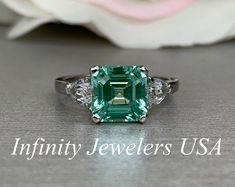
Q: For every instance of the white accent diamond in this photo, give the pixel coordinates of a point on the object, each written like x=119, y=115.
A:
x=80, y=90
x=158, y=90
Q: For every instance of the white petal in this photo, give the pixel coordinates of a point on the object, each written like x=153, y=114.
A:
x=25, y=25
x=68, y=11
x=24, y=7
x=204, y=22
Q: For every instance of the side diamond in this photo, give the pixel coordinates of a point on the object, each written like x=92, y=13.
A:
x=80, y=90
x=158, y=90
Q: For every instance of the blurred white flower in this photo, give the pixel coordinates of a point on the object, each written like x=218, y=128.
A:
x=175, y=23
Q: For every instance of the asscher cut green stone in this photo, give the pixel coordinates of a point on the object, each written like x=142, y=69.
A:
x=119, y=93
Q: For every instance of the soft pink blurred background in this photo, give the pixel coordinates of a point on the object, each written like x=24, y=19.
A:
x=145, y=24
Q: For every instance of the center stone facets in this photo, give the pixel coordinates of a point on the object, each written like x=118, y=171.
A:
x=119, y=93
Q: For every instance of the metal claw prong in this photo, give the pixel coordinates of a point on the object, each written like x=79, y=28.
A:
x=143, y=69
x=68, y=88
x=95, y=119
x=143, y=119
x=94, y=69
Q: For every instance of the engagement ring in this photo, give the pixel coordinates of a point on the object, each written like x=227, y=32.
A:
x=117, y=93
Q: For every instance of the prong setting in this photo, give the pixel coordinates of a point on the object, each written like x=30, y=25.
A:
x=94, y=69
x=68, y=88
x=143, y=119
x=95, y=119
x=143, y=69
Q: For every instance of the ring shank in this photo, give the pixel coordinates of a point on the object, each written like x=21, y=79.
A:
x=62, y=82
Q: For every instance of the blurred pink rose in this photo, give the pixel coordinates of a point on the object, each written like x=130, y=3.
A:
x=146, y=24
x=141, y=10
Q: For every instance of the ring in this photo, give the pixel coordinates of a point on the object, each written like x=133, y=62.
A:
x=117, y=93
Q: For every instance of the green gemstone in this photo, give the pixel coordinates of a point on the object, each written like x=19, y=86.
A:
x=119, y=93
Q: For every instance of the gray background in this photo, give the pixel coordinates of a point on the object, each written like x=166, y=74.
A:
x=29, y=108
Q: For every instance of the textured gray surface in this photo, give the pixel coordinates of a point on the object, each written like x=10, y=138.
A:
x=29, y=108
